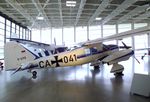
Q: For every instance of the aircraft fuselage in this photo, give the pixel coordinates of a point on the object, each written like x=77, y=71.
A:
x=70, y=58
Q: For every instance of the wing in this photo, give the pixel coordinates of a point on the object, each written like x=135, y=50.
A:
x=91, y=42
x=24, y=41
x=142, y=49
x=118, y=56
x=38, y=45
x=119, y=36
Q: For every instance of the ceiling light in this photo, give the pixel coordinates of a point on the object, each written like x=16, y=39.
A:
x=71, y=3
x=40, y=18
x=98, y=18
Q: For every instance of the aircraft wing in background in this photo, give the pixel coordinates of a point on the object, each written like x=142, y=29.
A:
x=39, y=47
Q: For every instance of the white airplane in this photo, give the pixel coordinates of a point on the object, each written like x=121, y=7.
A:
x=19, y=57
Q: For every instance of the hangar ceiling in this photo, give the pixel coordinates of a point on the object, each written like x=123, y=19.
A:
x=57, y=14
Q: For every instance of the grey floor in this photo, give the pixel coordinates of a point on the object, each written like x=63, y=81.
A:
x=71, y=84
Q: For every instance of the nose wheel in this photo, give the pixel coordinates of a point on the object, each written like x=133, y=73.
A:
x=118, y=74
x=96, y=67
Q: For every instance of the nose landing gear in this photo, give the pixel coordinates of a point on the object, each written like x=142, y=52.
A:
x=117, y=69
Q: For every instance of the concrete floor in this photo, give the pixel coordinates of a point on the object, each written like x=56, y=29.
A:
x=70, y=84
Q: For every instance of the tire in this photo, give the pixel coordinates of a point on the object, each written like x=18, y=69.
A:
x=34, y=73
x=119, y=74
x=96, y=67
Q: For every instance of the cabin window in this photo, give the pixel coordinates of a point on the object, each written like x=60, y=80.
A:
x=93, y=50
x=87, y=51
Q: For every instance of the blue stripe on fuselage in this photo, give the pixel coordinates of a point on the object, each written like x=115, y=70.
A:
x=36, y=57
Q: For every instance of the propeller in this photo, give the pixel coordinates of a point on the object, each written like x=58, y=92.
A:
x=127, y=47
x=136, y=59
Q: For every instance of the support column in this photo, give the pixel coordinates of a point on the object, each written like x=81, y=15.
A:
x=149, y=52
x=25, y=33
x=148, y=49
x=5, y=32
x=15, y=28
x=19, y=32
x=63, y=36
x=117, y=31
x=101, y=30
x=133, y=47
x=30, y=34
x=74, y=34
x=22, y=33
x=10, y=29
x=40, y=34
x=88, y=33
x=149, y=39
x=51, y=36
x=133, y=42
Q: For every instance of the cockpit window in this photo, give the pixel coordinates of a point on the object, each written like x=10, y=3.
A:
x=93, y=50
x=87, y=51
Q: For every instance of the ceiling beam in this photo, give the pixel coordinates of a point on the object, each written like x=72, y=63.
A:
x=8, y=14
x=132, y=13
x=142, y=16
x=21, y=10
x=99, y=10
x=60, y=11
x=41, y=11
x=118, y=10
x=45, y=4
x=82, y=3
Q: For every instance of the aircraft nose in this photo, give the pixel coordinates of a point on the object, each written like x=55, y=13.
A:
x=132, y=52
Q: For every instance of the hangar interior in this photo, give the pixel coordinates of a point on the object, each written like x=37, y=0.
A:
x=67, y=22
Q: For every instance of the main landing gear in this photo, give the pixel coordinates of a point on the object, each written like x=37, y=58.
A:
x=34, y=74
x=96, y=67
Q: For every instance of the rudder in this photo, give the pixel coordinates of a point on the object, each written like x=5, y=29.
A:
x=15, y=54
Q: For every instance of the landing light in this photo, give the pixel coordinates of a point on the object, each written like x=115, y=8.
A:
x=40, y=18
x=98, y=18
x=71, y=3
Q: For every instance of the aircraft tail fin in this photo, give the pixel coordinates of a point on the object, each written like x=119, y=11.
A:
x=15, y=55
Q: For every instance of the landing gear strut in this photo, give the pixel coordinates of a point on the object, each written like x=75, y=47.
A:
x=117, y=69
x=34, y=73
x=96, y=67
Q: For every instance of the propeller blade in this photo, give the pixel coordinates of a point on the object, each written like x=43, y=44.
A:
x=136, y=59
x=124, y=45
x=127, y=47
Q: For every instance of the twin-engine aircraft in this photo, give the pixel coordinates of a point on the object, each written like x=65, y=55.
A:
x=20, y=57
